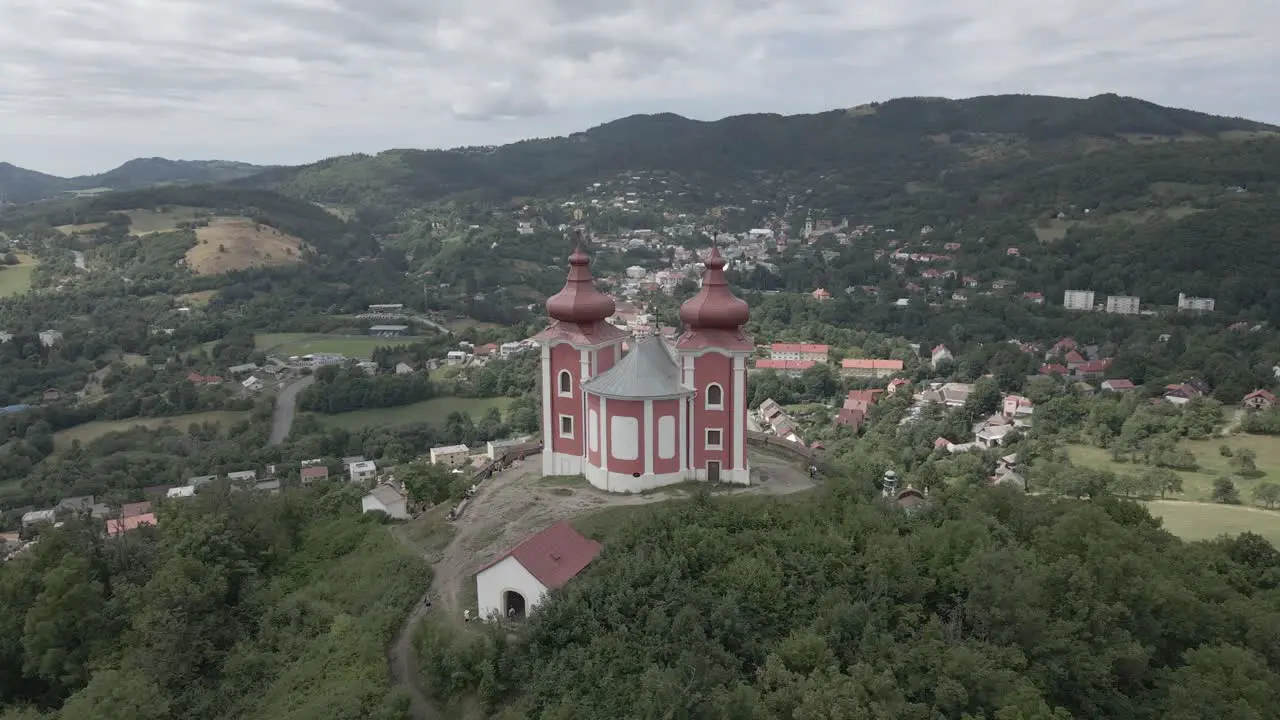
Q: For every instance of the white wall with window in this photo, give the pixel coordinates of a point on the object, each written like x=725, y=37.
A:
x=714, y=397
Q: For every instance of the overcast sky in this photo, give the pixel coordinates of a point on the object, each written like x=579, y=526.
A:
x=88, y=84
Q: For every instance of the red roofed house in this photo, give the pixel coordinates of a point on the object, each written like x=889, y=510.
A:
x=799, y=351
x=312, y=473
x=123, y=525
x=851, y=417
x=1259, y=400
x=1074, y=359
x=196, y=378
x=821, y=295
x=894, y=384
x=939, y=355
x=517, y=582
x=1119, y=385
x=859, y=367
x=1093, y=368
x=129, y=510
x=790, y=367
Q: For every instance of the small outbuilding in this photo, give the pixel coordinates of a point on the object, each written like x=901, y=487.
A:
x=517, y=582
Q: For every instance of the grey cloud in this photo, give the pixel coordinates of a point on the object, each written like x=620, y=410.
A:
x=116, y=78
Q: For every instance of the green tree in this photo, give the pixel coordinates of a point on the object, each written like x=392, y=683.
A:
x=1245, y=461
x=117, y=695
x=1268, y=494
x=1225, y=492
x=64, y=625
x=427, y=482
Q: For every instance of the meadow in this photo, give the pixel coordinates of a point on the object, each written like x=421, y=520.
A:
x=1205, y=521
x=286, y=344
x=16, y=279
x=144, y=222
x=230, y=243
x=91, y=431
x=432, y=412
x=1198, y=484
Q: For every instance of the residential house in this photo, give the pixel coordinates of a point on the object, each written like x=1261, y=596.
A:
x=770, y=409
x=362, y=471
x=39, y=517
x=388, y=499
x=130, y=509
x=1074, y=360
x=455, y=357
x=451, y=455
x=1093, y=368
x=51, y=395
x=49, y=338
x=507, y=349
x=1195, y=304
x=951, y=394
x=179, y=493
x=252, y=383
x=495, y=448
x=1018, y=409
x=196, y=378
x=242, y=369
x=860, y=367
x=75, y=504
x=1035, y=297
x=201, y=480
x=1062, y=347
x=1259, y=400
x=119, y=526
x=1123, y=304
x=896, y=384
x=1078, y=300
x=799, y=351
x=821, y=295
x=404, y=368
x=786, y=367
x=992, y=433
x=271, y=487
x=310, y=474
x=939, y=355
x=1181, y=393
x=516, y=583
x=1118, y=385
x=243, y=476
x=851, y=418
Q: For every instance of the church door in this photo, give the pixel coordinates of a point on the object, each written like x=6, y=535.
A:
x=713, y=471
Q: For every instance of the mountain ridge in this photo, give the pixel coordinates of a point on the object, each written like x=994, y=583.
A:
x=892, y=142
x=20, y=185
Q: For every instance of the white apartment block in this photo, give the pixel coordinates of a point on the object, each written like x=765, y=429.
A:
x=1194, y=303
x=1122, y=304
x=1078, y=300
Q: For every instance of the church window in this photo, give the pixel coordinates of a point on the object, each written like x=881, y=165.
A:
x=715, y=397
x=715, y=441
x=566, y=383
x=566, y=426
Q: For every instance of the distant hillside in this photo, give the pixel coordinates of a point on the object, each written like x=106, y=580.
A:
x=880, y=146
x=19, y=185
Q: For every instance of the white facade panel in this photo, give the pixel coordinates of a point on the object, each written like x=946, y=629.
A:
x=666, y=437
x=624, y=437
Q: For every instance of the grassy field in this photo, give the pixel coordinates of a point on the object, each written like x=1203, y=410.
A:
x=16, y=279
x=197, y=299
x=91, y=431
x=144, y=222
x=236, y=243
x=433, y=411
x=83, y=227
x=1198, y=484
x=286, y=344
x=1205, y=521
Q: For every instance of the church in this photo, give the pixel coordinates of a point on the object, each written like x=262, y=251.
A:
x=658, y=414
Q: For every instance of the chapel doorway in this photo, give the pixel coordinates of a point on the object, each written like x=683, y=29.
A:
x=713, y=471
x=513, y=607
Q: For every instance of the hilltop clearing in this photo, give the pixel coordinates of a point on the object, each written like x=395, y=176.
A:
x=237, y=243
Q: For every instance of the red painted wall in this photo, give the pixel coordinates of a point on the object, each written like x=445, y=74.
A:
x=669, y=408
x=713, y=368
x=566, y=357
x=606, y=358
x=632, y=409
x=593, y=457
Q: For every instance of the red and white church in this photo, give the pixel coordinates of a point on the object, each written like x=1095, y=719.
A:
x=659, y=414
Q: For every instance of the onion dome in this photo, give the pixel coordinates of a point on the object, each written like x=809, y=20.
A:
x=579, y=301
x=714, y=307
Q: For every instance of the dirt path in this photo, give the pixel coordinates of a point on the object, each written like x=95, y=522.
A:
x=515, y=504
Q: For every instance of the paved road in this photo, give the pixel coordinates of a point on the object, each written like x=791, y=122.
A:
x=286, y=404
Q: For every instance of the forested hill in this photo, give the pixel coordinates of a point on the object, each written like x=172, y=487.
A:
x=19, y=185
x=880, y=146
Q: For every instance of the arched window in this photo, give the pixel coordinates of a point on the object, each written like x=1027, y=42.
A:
x=715, y=396
x=566, y=383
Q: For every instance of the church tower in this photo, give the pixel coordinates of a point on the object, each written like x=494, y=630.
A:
x=712, y=355
x=579, y=345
